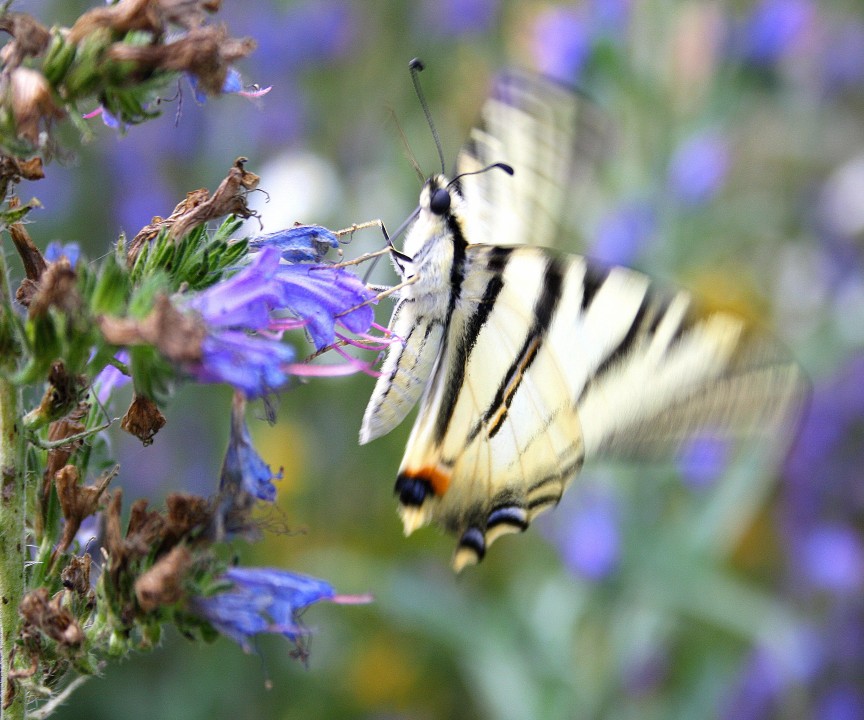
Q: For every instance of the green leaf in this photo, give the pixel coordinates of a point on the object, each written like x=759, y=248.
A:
x=112, y=289
x=13, y=215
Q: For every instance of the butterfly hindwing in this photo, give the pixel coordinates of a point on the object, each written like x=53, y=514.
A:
x=550, y=359
x=491, y=442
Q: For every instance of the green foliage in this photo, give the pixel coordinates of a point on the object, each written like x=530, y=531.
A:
x=195, y=262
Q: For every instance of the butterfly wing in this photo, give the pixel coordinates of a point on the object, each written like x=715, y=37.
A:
x=553, y=137
x=548, y=360
x=409, y=362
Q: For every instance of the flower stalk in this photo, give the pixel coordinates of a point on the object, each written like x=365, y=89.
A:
x=12, y=499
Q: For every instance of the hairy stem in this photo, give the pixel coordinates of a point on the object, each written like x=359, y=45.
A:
x=12, y=488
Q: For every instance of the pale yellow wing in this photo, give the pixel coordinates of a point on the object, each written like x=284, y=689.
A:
x=547, y=360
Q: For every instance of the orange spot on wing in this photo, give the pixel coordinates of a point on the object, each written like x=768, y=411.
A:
x=438, y=479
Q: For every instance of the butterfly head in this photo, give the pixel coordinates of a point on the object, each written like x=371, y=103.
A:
x=440, y=196
x=439, y=200
x=438, y=227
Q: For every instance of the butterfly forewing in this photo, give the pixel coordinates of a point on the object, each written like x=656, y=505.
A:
x=552, y=137
x=415, y=347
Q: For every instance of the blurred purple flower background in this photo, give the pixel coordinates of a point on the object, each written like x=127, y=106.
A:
x=736, y=138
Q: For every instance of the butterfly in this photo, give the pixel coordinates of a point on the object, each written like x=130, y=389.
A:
x=526, y=362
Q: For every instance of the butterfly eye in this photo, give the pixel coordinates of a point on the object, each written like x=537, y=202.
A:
x=439, y=203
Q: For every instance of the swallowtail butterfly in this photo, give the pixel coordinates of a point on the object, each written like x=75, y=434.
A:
x=527, y=362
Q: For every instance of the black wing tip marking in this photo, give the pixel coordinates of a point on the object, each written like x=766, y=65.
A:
x=512, y=515
x=412, y=491
x=474, y=541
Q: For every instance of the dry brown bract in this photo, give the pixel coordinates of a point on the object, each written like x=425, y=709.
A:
x=30, y=38
x=77, y=502
x=143, y=419
x=147, y=15
x=162, y=584
x=200, y=207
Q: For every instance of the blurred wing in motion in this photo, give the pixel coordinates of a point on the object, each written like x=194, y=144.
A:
x=553, y=137
x=570, y=361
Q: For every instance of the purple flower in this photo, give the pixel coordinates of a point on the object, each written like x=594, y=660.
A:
x=457, y=17
x=111, y=378
x=108, y=119
x=562, y=43
x=624, y=233
x=301, y=243
x=698, y=167
x=845, y=702
x=843, y=60
x=244, y=471
x=256, y=299
x=564, y=38
x=702, y=460
x=591, y=540
x=320, y=30
x=774, y=28
x=57, y=250
x=611, y=16
x=833, y=559
x=325, y=296
x=256, y=365
x=233, y=85
x=793, y=659
x=828, y=447
x=244, y=480
x=264, y=600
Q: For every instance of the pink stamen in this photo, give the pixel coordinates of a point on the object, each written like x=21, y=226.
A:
x=388, y=332
x=93, y=113
x=362, y=366
x=353, y=365
x=260, y=92
x=284, y=324
x=352, y=599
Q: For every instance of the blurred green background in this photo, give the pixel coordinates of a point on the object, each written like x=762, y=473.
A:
x=736, y=168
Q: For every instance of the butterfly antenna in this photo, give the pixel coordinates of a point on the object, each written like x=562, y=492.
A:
x=416, y=67
x=407, y=147
x=494, y=166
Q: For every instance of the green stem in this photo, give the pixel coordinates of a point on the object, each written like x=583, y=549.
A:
x=12, y=489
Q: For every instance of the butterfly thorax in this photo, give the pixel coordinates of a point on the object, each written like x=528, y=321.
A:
x=436, y=245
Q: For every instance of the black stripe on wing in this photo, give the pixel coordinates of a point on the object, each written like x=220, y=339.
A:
x=595, y=276
x=650, y=314
x=544, y=310
x=498, y=258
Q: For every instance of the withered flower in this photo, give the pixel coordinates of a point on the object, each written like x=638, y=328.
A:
x=143, y=419
x=199, y=207
x=32, y=103
x=162, y=584
x=42, y=612
x=77, y=501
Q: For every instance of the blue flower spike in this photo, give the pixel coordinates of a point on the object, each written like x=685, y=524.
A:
x=298, y=244
x=266, y=600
